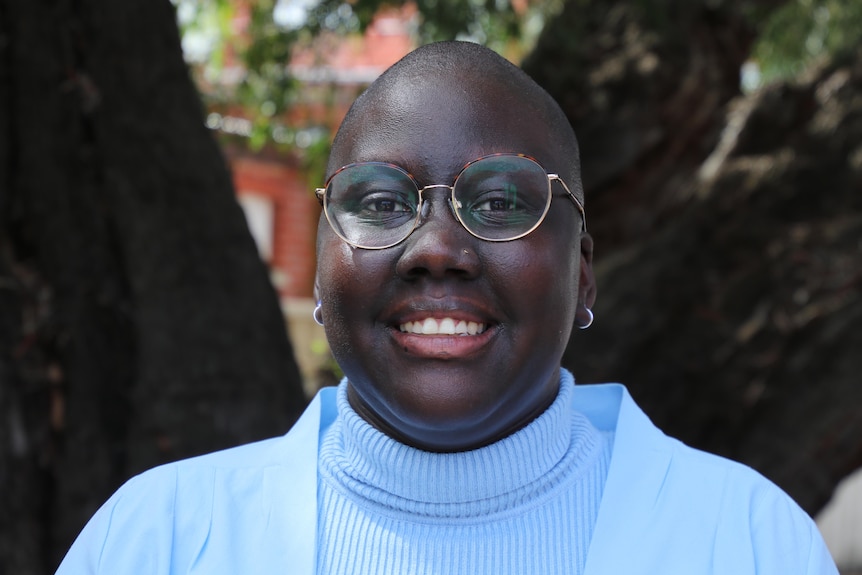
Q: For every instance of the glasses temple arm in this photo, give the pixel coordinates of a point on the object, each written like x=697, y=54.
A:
x=574, y=198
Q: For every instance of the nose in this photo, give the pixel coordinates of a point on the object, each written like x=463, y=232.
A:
x=439, y=247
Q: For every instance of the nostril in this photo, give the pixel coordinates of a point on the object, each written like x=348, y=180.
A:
x=438, y=248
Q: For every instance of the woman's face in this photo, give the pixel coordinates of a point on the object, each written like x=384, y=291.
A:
x=453, y=392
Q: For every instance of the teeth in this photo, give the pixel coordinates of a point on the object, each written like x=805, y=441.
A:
x=445, y=326
x=430, y=327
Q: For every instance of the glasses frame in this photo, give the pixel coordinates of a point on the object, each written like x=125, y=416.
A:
x=320, y=194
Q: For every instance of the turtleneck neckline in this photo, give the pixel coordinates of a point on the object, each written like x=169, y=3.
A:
x=524, y=466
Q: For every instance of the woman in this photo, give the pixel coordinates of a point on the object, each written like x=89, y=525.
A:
x=453, y=261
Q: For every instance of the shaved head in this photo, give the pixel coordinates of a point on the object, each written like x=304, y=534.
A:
x=484, y=78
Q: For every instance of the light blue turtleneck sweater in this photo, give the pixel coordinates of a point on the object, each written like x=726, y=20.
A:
x=526, y=504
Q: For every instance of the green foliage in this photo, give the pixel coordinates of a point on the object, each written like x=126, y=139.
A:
x=490, y=22
x=246, y=73
x=267, y=88
x=805, y=31
x=242, y=74
x=204, y=24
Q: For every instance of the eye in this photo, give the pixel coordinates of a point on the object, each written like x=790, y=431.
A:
x=495, y=198
x=383, y=208
x=500, y=205
x=493, y=202
x=385, y=202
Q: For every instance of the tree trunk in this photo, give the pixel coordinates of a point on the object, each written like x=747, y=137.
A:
x=644, y=84
x=727, y=234
x=138, y=325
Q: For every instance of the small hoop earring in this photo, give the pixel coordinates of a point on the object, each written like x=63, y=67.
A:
x=592, y=317
x=317, y=314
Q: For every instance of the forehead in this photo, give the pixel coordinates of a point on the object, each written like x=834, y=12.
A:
x=432, y=127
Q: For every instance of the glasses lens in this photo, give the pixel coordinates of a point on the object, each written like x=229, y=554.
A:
x=372, y=204
x=501, y=198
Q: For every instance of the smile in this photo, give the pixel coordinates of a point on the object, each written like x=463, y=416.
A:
x=443, y=326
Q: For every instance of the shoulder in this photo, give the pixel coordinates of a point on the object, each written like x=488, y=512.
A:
x=638, y=442
x=203, y=508
x=695, y=506
x=754, y=521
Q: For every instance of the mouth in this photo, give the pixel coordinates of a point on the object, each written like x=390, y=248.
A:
x=443, y=337
x=442, y=326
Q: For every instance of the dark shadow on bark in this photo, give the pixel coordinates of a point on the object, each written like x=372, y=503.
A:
x=139, y=325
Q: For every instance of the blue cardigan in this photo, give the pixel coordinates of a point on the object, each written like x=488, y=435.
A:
x=666, y=509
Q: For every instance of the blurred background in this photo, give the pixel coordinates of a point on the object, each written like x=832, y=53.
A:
x=157, y=225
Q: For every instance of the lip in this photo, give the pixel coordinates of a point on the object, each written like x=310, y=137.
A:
x=441, y=346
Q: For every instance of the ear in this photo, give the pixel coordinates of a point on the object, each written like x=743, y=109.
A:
x=587, y=281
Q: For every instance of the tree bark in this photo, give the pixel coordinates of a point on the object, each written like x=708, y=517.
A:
x=139, y=325
x=644, y=84
x=727, y=234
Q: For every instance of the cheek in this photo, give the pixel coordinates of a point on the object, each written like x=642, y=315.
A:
x=334, y=273
x=349, y=282
x=549, y=266
x=334, y=277
x=543, y=280
x=331, y=266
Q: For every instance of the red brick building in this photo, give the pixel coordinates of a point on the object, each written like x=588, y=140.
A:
x=278, y=200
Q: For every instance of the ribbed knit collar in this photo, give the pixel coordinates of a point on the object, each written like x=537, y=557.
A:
x=521, y=467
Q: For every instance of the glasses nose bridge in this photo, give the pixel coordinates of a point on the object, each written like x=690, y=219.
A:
x=423, y=213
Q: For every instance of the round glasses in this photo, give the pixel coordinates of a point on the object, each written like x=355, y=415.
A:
x=498, y=198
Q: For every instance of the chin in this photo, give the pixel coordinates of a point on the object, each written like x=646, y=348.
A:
x=459, y=425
